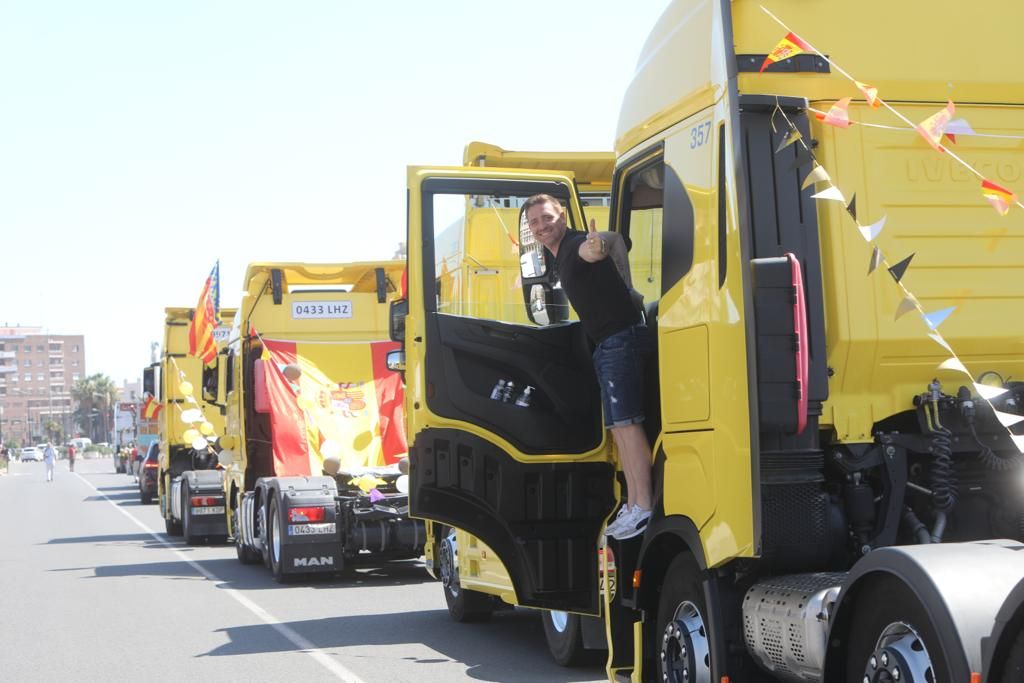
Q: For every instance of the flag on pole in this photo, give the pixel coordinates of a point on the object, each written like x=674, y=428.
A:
x=790, y=46
x=205, y=319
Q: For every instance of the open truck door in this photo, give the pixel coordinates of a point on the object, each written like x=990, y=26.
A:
x=503, y=406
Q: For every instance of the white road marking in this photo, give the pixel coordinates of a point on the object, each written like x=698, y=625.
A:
x=266, y=617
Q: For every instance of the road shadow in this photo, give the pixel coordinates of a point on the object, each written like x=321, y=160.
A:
x=105, y=540
x=231, y=573
x=522, y=656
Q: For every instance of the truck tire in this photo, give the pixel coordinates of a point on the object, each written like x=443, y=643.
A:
x=464, y=606
x=1013, y=667
x=564, y=634
x=145, y=497
x=172, y=526
x=887, y=610
x=186, y=516
x=680, y=637
x=274, y=549
x=246, y=555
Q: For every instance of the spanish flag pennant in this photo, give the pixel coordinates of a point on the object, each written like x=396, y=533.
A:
x=900, y=268
x=934, y=127
x=790, y=46
x=998, y=196
x=838, y=115
x=870, y=94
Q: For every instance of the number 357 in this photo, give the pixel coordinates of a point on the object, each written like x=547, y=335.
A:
x=700, y=134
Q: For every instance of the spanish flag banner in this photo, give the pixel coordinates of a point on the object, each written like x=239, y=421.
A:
x=150, y=409
x=201, y=343
x=333, y=400
x=934, y=127
x=790, y=46
x=998, y=196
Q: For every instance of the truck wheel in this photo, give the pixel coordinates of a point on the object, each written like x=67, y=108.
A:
x=564, y=634
x=246, y=555
x=890, y=630
x=145, y=497
x=463, y=605
x=186, y=517
x=274, y=548
x=1013, y=667
x=681, y=635
x=172, y=526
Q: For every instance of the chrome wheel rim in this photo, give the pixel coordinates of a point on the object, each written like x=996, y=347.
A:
x=275, y=544
x=449, y=569
x=685, y=652
x=900, y=656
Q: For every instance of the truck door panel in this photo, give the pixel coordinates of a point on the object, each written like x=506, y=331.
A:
x=532, y=481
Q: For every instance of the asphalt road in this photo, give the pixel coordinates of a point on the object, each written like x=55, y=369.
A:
x=91, y=589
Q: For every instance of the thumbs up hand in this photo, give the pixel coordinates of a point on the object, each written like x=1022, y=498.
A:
x=594, y=248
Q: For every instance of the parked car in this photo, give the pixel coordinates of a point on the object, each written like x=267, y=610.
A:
x=31, y=453
x=148, y=474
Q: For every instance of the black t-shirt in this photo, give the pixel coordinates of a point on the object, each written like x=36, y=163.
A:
x=595, y=290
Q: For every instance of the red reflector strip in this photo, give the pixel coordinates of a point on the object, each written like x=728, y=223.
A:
x=310, y=514
x=151, y=465
x=205, y=501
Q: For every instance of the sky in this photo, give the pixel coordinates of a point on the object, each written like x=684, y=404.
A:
x=140, y=142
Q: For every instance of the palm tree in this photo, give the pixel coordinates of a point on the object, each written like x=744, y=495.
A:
x=54, y=431
x=95, y=396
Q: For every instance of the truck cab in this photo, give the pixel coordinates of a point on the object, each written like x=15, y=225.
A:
x=829, y=464
x=189, y=479
x=315, y=427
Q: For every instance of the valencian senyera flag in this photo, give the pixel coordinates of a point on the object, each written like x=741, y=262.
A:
x=335, y=400
x=790, y=46
x=205, y=319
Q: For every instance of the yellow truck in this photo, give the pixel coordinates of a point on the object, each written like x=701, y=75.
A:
x=831, y=504
x=315, y=436
x=478, y=260
x=189, y=479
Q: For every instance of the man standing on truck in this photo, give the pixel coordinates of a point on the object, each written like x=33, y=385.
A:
x=611, y=318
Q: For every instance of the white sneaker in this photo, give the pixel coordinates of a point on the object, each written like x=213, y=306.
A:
x=633, y=523
x=617, y=522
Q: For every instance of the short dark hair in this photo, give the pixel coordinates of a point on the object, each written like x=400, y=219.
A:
x=538, y=199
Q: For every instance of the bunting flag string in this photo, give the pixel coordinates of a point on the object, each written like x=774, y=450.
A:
x=933, y=129
x=954, y=127
x=927, y=128
x=200, y=429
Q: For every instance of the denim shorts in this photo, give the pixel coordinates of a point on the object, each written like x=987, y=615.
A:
x=619, y=361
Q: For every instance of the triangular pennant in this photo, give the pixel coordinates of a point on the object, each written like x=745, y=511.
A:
x=1008, y=419
x=817, y=175
x=831, y=192
x=941, y=341
x=988, y=393
x=793, y=136
x=908, y=304
x=933, y=127
x=953, y=364
x=838, y=115
x=803, y=157
x=900, y=268
x=790, y=46
x=1018, y=441
x=851, y=208
x=870, y=94
x=876, y=260
x=870, y=232
x=959, y=127
x=998, y=196
x=938, y=317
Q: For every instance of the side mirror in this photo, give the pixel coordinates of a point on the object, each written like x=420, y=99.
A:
x=545, y=304
x=396, y=360
x=396, y=319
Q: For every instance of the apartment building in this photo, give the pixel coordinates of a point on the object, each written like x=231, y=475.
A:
x=37, y=371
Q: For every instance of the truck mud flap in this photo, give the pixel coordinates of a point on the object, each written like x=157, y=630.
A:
x=207, y=518
x=314, y=545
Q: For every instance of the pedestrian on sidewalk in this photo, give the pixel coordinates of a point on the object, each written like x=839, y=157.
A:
x=71, y=457
x=50, y=458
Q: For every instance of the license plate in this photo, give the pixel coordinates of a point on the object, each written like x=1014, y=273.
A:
x=213, y=510
x=311, y=529
x=321, y=309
